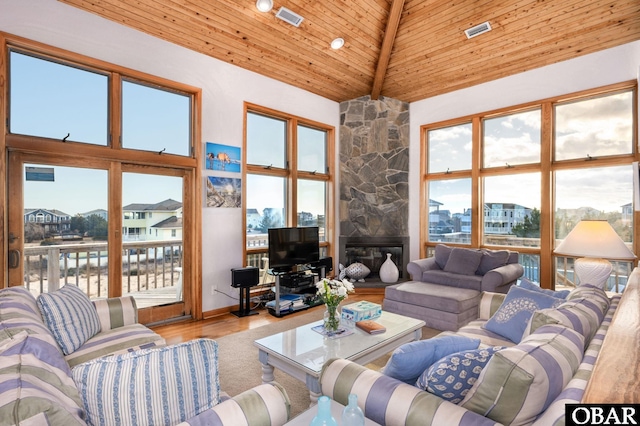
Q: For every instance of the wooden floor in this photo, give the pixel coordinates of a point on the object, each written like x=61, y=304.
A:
x=226, y=324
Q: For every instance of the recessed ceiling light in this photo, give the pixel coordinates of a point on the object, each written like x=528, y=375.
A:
x=264, y=5
x=337, y=43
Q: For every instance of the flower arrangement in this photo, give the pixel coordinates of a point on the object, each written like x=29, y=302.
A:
x=332, y=292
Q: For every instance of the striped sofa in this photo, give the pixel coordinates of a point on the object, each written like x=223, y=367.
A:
x=524, y=384
x=125, y=374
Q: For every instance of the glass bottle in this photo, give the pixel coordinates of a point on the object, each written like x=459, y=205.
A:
x=324, y=417
x=352, y=415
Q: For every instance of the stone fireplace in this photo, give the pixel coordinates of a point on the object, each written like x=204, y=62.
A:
x=374, y=183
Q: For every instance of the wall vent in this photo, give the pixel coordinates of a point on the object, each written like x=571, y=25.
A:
x=288, y=16
x=478, y=29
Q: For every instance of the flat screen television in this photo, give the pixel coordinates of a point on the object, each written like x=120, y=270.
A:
x=289, y=247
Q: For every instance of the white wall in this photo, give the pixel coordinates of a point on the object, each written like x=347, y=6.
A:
x=586, y=72
x=224, y=89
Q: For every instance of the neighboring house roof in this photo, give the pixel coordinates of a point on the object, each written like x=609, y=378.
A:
x=96, y=211
x=50, y=211
x=252, y=211
x=504, y=206
x=166, y=205
x=172, y=222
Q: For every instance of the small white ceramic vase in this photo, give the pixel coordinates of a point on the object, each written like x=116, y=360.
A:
x=389, y=271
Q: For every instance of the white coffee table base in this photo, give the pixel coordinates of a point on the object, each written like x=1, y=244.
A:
x=270, y=363
x=271, y=358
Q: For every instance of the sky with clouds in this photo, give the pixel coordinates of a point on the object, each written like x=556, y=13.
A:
x=594, y=127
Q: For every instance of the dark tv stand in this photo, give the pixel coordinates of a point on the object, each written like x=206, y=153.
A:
x=289, y=275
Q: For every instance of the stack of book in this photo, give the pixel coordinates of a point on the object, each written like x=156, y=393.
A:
x=288, y=302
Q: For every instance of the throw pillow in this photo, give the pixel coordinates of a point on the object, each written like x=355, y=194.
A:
x=442, y=255
x=409, y=360
x=511, y=319
x=158, y=386
x=452, y=377
x=463, y=261
x=581, y=315
x=492, y=259
x=37, y=388
x=520, y=382
x=70, y=316
x=591, y=292
x=560, y=294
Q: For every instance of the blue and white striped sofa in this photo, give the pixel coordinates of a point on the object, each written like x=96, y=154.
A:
x=117, y=371
x=555, y=362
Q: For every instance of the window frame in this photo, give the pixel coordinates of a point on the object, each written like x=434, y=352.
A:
x=119, y=159
x=291, y=174
x=547, y=167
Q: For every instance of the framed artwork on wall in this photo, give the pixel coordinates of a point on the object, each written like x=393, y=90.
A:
x=224, y=192
x=222, y=157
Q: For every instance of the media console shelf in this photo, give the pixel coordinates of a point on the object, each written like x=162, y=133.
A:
x=296, y=282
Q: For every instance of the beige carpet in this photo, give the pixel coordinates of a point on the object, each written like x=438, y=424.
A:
x=240, y=369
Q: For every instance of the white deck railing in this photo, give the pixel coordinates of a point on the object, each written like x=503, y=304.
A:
x=146, y=265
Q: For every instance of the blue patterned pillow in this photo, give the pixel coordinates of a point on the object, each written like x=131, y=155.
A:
x=526, y=284
x=159, y=386
x=409, y=360
x=452, y=376
x=512, y=317
x=70, y=316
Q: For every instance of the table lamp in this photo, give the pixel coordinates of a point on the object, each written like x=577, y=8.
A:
x=592, y=242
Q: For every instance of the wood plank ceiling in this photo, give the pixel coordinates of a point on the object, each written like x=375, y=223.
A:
x=427, y=56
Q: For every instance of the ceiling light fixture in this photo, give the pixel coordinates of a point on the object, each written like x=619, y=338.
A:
x=264, y=5
x=337, y=43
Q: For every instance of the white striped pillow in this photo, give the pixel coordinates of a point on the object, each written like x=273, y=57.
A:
x=520, y=382
x=70, y=316
x=152, y=386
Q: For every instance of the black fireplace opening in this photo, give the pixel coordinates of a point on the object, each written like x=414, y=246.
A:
x=372, y=252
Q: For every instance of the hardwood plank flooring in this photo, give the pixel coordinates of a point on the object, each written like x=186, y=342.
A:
x=225, y=324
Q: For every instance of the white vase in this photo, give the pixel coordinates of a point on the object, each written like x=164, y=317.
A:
x=389, y=271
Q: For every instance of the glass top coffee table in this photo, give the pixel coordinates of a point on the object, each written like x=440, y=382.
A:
x=301, y=352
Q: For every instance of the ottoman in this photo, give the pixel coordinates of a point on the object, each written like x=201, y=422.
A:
x=440, y=306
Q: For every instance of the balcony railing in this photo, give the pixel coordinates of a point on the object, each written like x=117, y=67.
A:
x=146, y=266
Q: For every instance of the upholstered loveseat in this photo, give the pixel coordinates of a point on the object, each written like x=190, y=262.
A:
x=475, y=269
x=445, y=290
x=123, y=374
x=525, y=382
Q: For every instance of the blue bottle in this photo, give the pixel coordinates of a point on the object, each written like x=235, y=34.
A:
x=324, y=417
x=352, y=415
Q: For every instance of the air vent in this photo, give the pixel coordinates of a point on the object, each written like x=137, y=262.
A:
x=478, y=29
x=288, y=16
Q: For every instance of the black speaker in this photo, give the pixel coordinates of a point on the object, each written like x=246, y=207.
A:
x=327, y=262
x=245, y=277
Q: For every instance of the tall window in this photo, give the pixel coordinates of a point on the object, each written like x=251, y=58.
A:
x=104, y=147
x=288, y=178
x=541, y=168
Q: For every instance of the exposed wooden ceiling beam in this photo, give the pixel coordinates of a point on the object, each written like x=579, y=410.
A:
x=387, y=45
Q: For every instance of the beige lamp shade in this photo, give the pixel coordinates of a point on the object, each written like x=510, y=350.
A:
x=592, y=242
x=596, y=239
